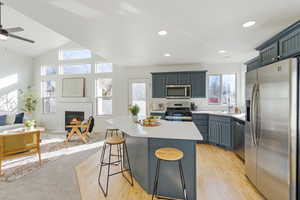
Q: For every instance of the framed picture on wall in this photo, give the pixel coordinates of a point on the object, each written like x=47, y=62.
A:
x=73, y=87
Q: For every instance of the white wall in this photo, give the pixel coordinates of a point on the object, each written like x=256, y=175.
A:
x=121, y=77
x=13, y=63
x=124, y=74
x=55, y=121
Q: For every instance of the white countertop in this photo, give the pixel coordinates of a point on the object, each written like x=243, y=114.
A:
x=167, y=129
x=234, y=115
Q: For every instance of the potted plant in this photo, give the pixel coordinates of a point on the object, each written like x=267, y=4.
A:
x=30, y=124
x=29, y=101
x=134, y=111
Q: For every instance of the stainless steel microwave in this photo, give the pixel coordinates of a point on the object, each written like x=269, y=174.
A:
x=178, y=91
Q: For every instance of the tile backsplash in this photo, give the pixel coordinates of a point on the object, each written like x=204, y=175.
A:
x=201, y=103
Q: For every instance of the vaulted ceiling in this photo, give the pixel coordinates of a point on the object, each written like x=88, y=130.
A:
x=45, y=38
x=125, y=32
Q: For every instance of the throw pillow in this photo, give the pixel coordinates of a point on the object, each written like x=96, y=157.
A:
x=19, y=118
x=3, y=120
x=10, y=119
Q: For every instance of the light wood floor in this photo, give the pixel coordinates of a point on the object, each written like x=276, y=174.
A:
x=220, y=177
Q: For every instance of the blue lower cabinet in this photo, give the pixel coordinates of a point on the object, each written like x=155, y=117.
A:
x=221, y=131
x=201, y=122
x=214, y=132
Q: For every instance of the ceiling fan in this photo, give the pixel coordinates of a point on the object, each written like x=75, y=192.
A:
x=6, y=33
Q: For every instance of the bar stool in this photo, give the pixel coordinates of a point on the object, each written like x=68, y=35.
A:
x=170, y=155
x=111, y=132
x=122, y=148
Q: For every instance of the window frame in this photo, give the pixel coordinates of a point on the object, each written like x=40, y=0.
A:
x=43, y=98
x=60, y=54
x=43, y=70
x=61, y=68
x=103, y=97
x=221, y=87
x=98, y=63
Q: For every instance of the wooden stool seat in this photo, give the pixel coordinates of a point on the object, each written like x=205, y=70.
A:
x=115, y=140
x=169, y=154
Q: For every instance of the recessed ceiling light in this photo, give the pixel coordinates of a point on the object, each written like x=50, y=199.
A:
x=167, y=55
x=222, y=51
x=249, y=24
x=162, y=32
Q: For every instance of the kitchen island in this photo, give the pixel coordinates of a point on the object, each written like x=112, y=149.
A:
x=142, y=143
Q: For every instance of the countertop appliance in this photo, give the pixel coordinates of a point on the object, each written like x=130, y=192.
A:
x=178, y=111
x=272, y=129
x=178, y=91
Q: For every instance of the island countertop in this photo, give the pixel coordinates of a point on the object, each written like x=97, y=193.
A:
x=167, y=129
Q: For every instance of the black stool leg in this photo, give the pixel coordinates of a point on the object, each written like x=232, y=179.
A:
x=182, y=180
x=101, y=164
x=154, y=194
x=108, y=173
x=128, y=162
x=107, y=130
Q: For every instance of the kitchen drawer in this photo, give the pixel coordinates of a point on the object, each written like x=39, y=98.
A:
x=200, y=117
x=220, y=118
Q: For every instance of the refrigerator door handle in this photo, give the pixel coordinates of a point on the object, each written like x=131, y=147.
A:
x=252, y=115
x=257, y=100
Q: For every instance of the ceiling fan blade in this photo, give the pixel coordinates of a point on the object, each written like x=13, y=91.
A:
x=14, y=30
x=20, y=38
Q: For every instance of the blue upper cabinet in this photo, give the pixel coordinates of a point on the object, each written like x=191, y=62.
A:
x=184, y=78
x=269, y=54
x=284, y=45
x=158, y=85
x=172, y=78
x=289, y=45
x=253, y=64
x=198, y=82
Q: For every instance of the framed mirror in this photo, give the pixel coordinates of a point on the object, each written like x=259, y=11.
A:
x=73, y=87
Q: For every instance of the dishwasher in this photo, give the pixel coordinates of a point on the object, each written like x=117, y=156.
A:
x=239, y=138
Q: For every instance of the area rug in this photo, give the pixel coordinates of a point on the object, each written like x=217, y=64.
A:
x=52, y=148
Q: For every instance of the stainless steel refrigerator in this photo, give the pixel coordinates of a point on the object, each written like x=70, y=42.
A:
x=272, y=129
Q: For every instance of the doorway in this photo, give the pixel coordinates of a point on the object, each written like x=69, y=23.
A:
x=139, y=95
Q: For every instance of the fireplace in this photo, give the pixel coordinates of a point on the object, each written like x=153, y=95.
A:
x=70, y=115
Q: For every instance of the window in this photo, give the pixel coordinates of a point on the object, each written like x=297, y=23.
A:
x=74, y=54
x=228, y=89
x=48, y=96
x=76, y=69
x=48, y=70
x=104, y=68
x=222, y=89
x=104, y=96
x=214, y=89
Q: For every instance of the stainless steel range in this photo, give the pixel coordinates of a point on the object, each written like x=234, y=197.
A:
x=178, y=111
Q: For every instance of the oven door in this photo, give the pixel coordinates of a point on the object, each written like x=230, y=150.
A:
x=178, y=91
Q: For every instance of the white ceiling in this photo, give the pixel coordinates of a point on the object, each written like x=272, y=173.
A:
x=125, y=32
x=45, y=39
